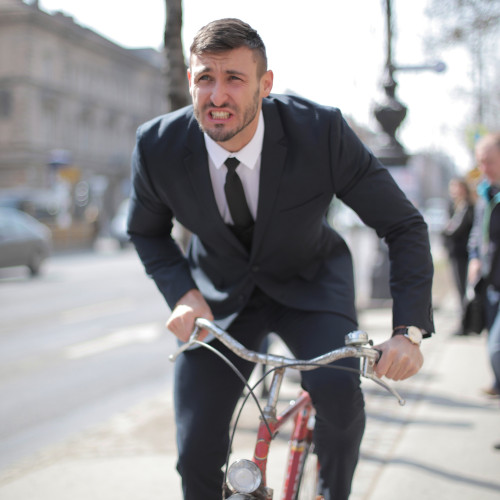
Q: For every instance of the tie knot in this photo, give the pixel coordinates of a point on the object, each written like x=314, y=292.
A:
x=232, y=163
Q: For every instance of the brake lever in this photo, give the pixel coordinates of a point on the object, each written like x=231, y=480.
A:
x=386, y=386
x=193, y=339
x=367, y=371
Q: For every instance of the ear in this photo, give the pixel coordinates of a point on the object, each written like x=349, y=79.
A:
x=266, y=83
x=189, y=77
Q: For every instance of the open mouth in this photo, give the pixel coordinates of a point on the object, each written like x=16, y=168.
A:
x=220, y=115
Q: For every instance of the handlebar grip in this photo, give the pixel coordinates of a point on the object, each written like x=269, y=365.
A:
x=380, y=352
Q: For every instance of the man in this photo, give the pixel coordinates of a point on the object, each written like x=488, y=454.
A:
x=281, y=268
x=484, y=246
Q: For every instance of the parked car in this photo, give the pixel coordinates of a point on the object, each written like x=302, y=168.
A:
x=118, y=227
x=23, y=240
x=43, y=204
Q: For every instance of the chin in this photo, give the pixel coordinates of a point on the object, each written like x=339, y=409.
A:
x=220, y=135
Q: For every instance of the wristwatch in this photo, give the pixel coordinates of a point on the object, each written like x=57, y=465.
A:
x=412, y=333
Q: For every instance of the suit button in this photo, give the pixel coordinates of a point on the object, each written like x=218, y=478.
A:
x=255, y=269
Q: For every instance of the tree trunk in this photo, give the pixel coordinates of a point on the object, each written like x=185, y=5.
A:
x=177, y=88
x=176, y=79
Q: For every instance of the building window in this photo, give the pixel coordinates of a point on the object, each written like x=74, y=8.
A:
x=5, y=103
x=50, y=128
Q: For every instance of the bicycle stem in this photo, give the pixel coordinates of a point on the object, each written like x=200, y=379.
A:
x=269, y=410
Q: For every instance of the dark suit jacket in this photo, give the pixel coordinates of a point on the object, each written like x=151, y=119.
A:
x=309, y=155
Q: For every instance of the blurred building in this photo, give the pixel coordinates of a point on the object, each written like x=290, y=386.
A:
x=70, y=102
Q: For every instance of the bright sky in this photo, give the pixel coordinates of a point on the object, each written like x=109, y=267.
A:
x=330, y=52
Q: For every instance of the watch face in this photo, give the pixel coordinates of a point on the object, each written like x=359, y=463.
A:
x=414, y=334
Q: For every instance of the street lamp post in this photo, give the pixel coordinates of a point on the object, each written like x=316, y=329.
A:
x=390, y=113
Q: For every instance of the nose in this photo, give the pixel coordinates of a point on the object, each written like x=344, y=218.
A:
x=219, y=94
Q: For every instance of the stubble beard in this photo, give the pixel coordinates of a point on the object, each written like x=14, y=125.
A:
x=218, y=132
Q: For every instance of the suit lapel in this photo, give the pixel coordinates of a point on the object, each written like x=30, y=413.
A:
x=196, y=164
x=273, y=158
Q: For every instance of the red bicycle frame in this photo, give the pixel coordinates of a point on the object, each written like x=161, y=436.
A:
x=302, y=410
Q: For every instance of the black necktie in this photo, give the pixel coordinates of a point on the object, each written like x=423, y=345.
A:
x=235, y=196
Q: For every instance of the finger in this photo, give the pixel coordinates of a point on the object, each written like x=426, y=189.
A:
x=403, y=370
x=203, y=335
x=384, y=363
x=180, y=325
x=397, y=366
x=396, y=374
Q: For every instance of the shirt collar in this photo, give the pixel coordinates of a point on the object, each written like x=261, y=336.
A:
x=248, y=155
x=488, y=191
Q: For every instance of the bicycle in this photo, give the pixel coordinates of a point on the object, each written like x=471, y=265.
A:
x=246, y=479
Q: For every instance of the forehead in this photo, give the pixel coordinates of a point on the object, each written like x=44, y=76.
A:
x=488, y=150
x=240, y=60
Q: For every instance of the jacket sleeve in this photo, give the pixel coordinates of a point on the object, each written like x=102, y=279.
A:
x=370, y=190
x=150, y=223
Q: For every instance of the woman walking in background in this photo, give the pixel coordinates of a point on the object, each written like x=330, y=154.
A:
x=456, y=236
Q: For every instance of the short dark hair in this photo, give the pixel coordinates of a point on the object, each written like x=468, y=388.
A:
x=227, y=34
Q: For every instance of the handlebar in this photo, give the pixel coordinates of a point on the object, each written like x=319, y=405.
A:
x=358, y=345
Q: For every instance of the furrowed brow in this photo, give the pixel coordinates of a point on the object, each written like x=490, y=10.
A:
x=235, y=73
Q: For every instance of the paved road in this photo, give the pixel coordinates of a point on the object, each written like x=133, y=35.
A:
x=78, y=344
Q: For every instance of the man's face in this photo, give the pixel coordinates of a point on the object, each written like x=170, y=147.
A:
x=227, y=95
x=488, y=160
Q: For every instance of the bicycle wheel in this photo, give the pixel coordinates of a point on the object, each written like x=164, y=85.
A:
x=308, y=475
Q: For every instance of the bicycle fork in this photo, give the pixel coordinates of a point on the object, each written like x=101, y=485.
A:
x=302, y=410
x=247, y=479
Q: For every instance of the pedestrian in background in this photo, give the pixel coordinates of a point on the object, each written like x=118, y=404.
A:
x=456, y=237
x=484, y=245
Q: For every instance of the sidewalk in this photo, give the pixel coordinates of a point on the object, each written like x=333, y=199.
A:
x=437, y=446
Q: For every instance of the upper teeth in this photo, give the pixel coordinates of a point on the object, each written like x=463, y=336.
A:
x=220, y=114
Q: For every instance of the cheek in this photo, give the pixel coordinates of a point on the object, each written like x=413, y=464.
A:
x=487, y=167
x=197, y=94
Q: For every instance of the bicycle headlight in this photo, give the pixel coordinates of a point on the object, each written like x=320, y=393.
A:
x=244, y=476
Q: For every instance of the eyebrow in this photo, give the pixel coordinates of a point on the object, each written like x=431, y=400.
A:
x=208, y=69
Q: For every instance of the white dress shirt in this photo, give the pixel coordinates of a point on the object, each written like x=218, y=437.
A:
x=248, y=170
